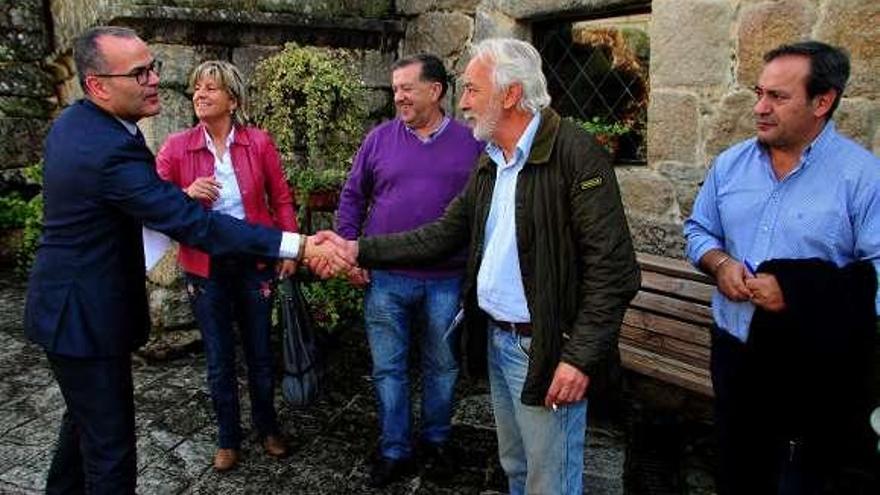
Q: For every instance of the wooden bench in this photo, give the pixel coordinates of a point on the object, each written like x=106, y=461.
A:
x=666, y=330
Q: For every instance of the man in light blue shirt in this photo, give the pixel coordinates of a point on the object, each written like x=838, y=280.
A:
x=499, y=284
x=798, y=190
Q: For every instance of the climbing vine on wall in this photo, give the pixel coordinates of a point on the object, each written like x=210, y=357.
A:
x=313, y=104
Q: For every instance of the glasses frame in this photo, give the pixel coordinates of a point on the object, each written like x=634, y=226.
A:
x=141, y=75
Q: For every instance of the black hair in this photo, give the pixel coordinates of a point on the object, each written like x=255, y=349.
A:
x=86, y=55
x=829, y=67
x=433, y=69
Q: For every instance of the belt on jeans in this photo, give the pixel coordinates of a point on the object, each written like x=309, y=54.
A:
x=523, y=329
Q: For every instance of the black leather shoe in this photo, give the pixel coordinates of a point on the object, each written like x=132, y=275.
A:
x=438, y=462
x=386, y=470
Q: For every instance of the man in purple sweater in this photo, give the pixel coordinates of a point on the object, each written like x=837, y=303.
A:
x=405, y=173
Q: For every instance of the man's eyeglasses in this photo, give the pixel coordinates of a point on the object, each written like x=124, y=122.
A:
x=140, y=74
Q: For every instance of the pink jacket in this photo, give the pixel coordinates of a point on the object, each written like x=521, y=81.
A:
x=264, y=193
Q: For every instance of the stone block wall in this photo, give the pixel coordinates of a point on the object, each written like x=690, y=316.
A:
x=184, y=33
x=187, y=32
x=181, y=52
x=38, y=74
x=705, y=57
x=27, y=88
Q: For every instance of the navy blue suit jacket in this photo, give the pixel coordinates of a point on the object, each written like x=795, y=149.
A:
x=86, y=294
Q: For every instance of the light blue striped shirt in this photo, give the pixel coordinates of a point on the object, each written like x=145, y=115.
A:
x=828, y=207
x=499, y=282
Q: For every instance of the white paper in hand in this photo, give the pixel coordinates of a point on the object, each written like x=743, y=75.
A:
x=155, y=246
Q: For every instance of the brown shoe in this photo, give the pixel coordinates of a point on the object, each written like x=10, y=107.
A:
x=225, y=459
x=275, y=446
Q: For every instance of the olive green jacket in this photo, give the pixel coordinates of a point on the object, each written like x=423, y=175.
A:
x=578, y=267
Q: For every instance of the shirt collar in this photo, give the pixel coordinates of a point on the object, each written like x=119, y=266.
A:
x=131, y=127
x=813, y=150
x=821, y=141
x=210, y=142
x=523, y=145
x=433, y=134
x=818, y=146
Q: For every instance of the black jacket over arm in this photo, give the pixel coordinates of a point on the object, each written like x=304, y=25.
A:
x=815, y=356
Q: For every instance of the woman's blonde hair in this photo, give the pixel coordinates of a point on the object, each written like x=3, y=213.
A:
x=229, y=78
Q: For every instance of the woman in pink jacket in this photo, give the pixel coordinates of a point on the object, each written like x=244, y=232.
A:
x=234, y=169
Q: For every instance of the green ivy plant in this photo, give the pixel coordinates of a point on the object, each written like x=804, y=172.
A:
x=314, y=106
x=334, y=304
x=6, y=54
x=311, y=180
x=607, y=133
x=312, y=103
x=13, y=211
x=601, y=127
x=33, y=224
x=17, y=212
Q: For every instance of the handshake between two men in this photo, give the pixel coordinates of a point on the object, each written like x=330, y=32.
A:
x=328, y=255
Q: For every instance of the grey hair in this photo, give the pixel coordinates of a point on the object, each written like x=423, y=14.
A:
x=229, y=78
x=88, y=57
x=515, y=61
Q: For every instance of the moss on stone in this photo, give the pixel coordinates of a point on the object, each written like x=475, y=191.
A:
x=17, y=106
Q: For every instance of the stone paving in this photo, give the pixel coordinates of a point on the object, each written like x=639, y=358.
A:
x=332, y=441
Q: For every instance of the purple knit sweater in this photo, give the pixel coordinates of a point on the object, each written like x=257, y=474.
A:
x=398, y=183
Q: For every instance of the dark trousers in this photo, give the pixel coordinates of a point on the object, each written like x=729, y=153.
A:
x=237, y=291
x=95, y=453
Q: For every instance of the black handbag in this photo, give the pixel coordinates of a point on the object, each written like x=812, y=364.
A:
x=303, y=360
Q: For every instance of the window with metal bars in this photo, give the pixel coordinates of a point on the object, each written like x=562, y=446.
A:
x=597, y=74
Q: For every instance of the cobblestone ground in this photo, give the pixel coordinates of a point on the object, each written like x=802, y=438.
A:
x=332, y=441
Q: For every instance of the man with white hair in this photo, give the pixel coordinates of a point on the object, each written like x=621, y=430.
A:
x=550, y=270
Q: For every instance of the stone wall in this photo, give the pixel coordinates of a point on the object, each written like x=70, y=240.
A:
x=27, y=93
x=186, y=32
x=705, y=57
x=38, y=75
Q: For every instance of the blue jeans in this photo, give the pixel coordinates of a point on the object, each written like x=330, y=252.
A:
x=237, y=290
x=541, y=450
x=391, y=303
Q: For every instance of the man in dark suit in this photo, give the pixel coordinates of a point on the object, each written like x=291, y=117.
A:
x=86, y=302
